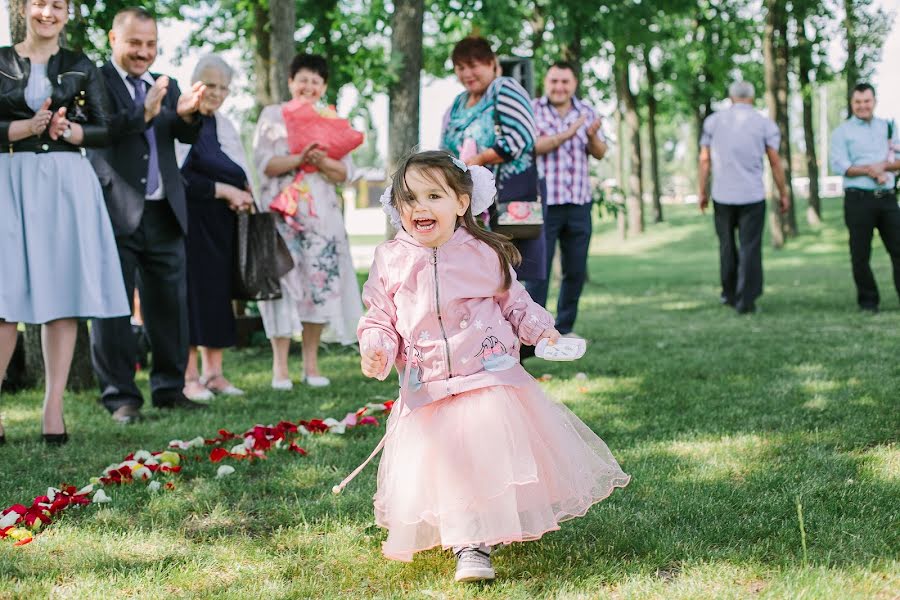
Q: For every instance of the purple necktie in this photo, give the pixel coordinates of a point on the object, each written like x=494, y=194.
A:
x=140, y=94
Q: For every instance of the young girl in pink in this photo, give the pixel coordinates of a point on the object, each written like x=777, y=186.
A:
x=475, y=454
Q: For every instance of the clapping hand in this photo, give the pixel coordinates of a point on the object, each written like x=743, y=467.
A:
x=878, y=172
x=594, y=127
x=59, y=124
x=154, y=98
x=373, y=361
x=189, y=103
x=41, y=119
x=316, y=156
x=573, y=129
x=303, y=157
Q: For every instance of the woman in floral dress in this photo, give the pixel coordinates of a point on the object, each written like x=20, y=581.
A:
x=321, y=293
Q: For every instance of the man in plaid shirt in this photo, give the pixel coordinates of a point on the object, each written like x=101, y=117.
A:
x=569, y=132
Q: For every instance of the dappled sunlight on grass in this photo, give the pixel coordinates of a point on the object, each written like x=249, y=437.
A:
x=724, y=422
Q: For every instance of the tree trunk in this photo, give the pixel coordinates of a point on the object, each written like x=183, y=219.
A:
x=775, y=62
x=813, y=210
x=628, y=105
x=403, y=106
x=403, y=92
x=538, y=23
x=651, y=131
x=262, y=56
x=282, y=22
x=851, y=68
x=16, y=20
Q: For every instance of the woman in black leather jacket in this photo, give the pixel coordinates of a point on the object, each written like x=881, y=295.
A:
x=58, y=258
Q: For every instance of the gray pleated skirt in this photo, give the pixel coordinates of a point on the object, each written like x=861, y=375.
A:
x=58, y=256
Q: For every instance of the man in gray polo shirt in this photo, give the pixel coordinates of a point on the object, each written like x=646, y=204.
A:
x=734, y=142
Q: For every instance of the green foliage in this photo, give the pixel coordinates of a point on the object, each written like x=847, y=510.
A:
x=87, y=30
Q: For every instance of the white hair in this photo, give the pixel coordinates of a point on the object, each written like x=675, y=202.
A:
x=212, y=61
x=741, y=89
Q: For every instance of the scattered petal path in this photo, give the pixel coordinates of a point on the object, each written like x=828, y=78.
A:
x=19, y=523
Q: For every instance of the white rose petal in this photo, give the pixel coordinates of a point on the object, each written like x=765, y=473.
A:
x=224, y=470
x=85, y=490
x=142, y=456
x=100, y=497
x=9, y=519
x=153, y=486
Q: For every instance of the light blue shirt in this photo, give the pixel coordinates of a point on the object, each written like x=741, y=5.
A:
x=858, y=142
x=737, y=138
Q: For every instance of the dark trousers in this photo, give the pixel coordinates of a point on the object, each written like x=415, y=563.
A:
x=740, y=265
x=864, y=211
x=570, y=224
x=156, y=253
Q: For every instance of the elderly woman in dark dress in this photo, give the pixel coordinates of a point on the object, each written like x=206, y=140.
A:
x=218, y=186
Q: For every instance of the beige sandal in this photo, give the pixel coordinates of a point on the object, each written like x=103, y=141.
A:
x=199, y=393
x=228, y=390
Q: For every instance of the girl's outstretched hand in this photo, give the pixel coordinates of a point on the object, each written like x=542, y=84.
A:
x=373, y=361
x=550, y=334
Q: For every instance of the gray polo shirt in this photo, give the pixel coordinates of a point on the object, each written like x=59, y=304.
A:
x=737, y=138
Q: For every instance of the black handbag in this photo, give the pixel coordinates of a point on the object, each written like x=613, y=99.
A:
x=261, y=257
x=519, y=211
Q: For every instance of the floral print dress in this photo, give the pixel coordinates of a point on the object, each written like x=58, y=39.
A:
x=322, y=287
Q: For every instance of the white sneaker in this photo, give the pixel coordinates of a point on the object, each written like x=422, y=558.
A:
x=283, y=385
x=316, y=381
x=474, y=564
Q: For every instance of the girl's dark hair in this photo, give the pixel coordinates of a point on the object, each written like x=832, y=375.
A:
x=472, y=49
x=310, y=62
x=430, y=164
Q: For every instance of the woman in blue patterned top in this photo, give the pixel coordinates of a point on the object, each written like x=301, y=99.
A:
x=492, y=123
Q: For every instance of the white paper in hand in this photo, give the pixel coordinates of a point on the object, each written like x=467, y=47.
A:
x=563, y=349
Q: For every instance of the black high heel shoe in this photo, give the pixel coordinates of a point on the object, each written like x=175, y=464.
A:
x=56, y=439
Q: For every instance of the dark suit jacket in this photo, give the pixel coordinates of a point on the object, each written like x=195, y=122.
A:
x=128, y=149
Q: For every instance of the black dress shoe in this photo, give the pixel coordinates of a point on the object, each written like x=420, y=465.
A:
x=176, y=400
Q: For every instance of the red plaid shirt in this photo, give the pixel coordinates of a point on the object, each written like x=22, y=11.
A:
x=566, y=168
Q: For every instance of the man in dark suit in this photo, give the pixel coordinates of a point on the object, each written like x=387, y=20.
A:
x=148, y=114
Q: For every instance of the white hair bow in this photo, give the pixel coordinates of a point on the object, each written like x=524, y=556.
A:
x=483, y=192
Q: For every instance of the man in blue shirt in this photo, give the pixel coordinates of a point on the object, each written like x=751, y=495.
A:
x=734, y=143
x=864, y=150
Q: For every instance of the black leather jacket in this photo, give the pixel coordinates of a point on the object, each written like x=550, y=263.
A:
x=77, y=85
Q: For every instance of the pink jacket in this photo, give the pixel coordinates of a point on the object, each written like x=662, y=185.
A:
x=443, y=308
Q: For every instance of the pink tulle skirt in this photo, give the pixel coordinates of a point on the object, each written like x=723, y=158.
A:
x=491, y=466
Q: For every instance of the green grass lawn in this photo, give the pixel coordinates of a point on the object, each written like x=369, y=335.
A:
x=725, y=423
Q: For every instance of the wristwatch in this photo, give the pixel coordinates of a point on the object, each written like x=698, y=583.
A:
x=67, y=133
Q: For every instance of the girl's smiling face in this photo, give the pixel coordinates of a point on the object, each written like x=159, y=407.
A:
x=433, y=211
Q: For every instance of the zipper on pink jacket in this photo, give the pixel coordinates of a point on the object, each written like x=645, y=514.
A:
x=437, y=299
